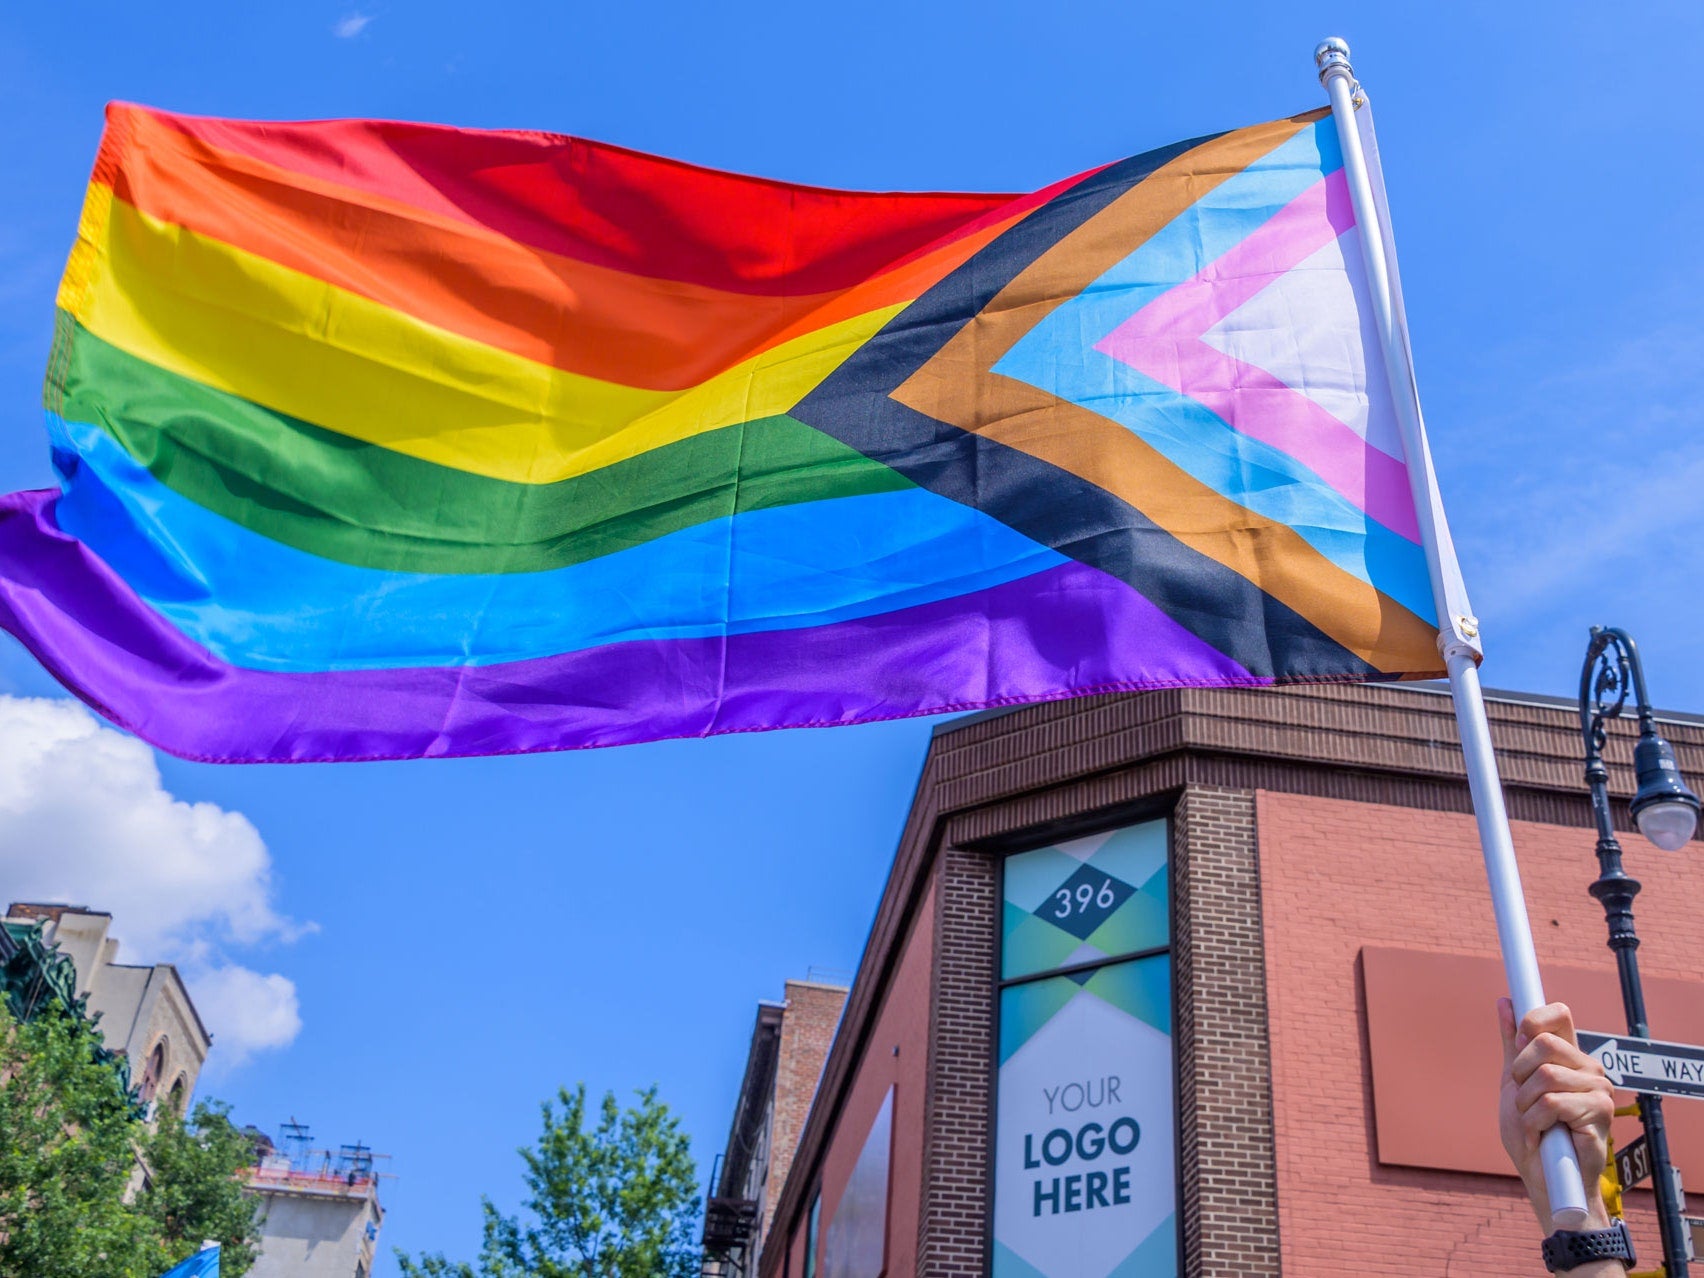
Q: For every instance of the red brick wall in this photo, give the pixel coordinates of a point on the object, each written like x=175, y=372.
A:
x=896, y=1056
x=1338, y=875
x=807, y=1032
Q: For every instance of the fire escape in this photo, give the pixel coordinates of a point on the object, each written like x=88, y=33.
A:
x=739, y=1178
x=730, y=1229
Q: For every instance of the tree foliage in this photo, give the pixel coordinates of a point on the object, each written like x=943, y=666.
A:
x=193, y=1192
x=616, y=1201
x=66, y=1155
x=74, y=1197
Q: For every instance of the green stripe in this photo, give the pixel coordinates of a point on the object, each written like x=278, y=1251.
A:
x=343, y=499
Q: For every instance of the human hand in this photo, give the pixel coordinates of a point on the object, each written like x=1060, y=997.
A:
x=1548, y=1080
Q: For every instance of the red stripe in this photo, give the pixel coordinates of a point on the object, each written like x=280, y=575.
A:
x=658, y=334
x=638, y=331
x=610, y=206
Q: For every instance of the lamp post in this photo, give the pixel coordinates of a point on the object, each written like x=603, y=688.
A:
x=1666, y=812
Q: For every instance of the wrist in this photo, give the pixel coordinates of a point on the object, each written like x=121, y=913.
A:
x=1597, y=1215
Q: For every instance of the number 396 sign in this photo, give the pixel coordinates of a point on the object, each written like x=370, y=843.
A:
x=1085, y=901
x=1086, y=898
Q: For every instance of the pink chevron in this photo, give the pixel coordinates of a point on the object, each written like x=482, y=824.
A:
x=1164, y=341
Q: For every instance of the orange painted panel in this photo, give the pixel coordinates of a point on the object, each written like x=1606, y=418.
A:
x=1435, y=1057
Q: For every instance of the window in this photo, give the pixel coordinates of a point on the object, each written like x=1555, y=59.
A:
x=151, y=1072
x=179, y=1095
x=854, y=1242
x=1085, y=1151
x=811, y=1224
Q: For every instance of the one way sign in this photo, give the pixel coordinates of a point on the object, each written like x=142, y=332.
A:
x=1641, y=1065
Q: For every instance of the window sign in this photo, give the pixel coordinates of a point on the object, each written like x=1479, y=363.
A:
x=1085, y=1162
x=855, y=1242
x=1085, y=901
x=811, y=1235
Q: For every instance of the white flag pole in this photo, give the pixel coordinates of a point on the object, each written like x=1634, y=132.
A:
x=1458, y=638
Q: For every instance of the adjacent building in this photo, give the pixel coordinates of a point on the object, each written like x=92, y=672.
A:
x=143, y=1012
x=789, y=1043
x=1201, y=982
x=320, y=1212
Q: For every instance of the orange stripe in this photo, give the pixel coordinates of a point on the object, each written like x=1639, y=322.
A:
x=900, y=285
x=576, y=316
x=290, y=342
x=623, y=209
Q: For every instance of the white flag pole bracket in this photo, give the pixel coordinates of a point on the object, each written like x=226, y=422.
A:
x=1458, y=638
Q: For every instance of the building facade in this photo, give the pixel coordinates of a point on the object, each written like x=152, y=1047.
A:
x=1202, y=982
x=143, y=1012
x=320, y=1215
x=789, y=1043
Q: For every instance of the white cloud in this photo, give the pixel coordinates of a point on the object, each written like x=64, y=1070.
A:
x=249, y=1012
x=85, y=819
x=84, y=816
x=350, y=25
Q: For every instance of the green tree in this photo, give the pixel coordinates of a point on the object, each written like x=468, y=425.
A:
x=74, y=1198
x=193, y=1192
x=616, y=1201
x=66, y=1155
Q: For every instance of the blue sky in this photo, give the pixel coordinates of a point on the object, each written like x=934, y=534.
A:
x=463, y=936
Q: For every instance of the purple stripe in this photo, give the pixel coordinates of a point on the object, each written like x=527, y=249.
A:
x=1068, y=631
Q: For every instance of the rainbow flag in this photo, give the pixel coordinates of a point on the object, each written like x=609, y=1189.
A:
x=386, y=440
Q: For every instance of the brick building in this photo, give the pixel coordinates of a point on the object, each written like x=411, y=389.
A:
x=1202, y=982
x=789, y=1043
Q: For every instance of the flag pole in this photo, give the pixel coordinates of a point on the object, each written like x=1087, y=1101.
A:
x=1458, y=638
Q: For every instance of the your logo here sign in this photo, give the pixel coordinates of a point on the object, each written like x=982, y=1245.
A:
x=1084, y=1161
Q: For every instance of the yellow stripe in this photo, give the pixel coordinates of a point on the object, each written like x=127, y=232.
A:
x=297, y=345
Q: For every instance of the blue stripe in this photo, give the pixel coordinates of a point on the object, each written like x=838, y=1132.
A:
x=1252, y=474
x=258, y=603
x=1204, y=232
x=1058, y=356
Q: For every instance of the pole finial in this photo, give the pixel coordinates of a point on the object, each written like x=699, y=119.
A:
x=1331, y=54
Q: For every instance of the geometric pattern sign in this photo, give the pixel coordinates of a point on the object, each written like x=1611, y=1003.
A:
x=1085, y=901
x=1085, y=1140
x=1084, y=1163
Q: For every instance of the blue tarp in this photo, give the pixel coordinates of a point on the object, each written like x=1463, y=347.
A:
x=203, y=1264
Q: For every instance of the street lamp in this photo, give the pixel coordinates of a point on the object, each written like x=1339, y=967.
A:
x=1666, y=812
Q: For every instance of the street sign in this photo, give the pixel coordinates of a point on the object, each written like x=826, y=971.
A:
x=1643, y=1065
x=1633, y=1163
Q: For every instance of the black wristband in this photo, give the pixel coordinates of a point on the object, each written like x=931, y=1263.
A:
x=1569, y=1249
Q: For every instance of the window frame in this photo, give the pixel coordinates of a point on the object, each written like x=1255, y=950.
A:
x=1029, y=842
